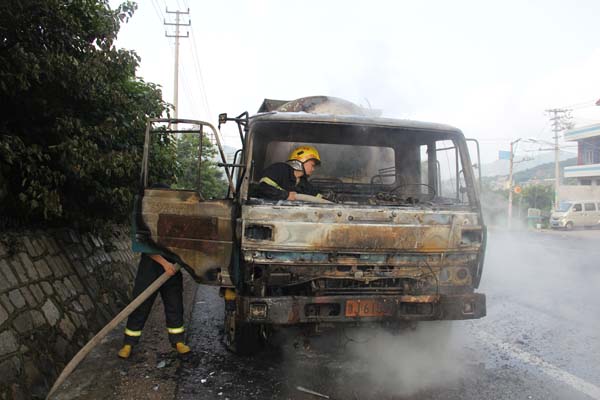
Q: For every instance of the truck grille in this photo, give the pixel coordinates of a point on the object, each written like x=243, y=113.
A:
x=325, y=287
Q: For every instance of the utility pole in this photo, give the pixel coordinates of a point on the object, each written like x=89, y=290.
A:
x=511, y=188
x=177, y=24
x=559, y=117
x=510, y=181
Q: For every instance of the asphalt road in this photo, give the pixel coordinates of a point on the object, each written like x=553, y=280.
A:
x=540, y=340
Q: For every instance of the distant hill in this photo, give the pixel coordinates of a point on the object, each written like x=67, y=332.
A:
x=540, y=172
x=501, y=167
x=543, y=171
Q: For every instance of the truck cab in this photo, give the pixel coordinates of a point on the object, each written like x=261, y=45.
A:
x=403, y=239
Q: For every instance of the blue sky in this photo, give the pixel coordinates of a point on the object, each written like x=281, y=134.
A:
x=489, y=68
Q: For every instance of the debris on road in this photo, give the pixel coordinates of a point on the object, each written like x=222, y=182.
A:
x=301, y=389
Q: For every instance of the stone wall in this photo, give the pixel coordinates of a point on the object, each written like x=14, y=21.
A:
x=57, y=289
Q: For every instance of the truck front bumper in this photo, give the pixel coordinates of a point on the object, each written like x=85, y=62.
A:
x=291, y=310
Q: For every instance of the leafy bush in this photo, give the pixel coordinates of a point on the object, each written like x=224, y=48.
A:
x=73, y=116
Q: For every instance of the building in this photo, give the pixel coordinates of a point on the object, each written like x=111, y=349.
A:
x=587, y=170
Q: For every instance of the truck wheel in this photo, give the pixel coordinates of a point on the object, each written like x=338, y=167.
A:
x=569, y=226
x=240, y=337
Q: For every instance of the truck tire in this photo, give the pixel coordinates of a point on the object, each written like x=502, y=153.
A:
x=241, y=337
x=569, y=226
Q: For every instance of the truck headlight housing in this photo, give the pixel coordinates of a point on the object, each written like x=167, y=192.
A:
x=258, y=311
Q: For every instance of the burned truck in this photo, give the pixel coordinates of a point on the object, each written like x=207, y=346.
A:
x=401, y=240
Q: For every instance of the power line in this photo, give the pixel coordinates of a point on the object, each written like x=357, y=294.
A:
x=158, y=11
x=543, y=128
x=199, y=71
x=197, y=84
x=583, y=104
x=186, y=91
x=189, y=93
x=165, y=4
x=192, y=98
x=547, y=149
x=583, y=119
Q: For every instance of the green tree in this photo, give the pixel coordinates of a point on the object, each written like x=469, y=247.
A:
x=209, y=180
x=212, y=182
x=73, y=115
x=538, y=196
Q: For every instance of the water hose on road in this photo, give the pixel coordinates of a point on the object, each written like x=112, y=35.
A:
x=80, y=356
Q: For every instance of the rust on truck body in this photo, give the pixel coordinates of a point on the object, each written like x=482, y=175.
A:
x=392, y=244
x=404, y=239
x=304, y=310
x=359, y=229
x=186, y=225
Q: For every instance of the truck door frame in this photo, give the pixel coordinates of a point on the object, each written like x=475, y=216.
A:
x=196, y=232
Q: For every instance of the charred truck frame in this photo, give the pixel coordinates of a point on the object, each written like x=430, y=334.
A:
x=404, y=239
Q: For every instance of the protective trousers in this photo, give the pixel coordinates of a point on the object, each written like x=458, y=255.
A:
x=171, y=293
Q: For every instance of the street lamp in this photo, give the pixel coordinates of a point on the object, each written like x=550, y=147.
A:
x=513, y=148
x=510, y=180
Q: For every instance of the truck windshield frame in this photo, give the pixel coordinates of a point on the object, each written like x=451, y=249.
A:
x=413, y=178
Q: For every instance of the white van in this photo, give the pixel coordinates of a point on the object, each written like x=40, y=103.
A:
x=576, y=213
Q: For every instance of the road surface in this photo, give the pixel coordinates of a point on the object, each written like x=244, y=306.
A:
x=540, y=340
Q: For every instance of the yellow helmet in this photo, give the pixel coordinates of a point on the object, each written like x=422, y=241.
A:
x=305, y=153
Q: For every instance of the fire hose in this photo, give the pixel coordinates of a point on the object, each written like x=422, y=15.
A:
x=80, y=356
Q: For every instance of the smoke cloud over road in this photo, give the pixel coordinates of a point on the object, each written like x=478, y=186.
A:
x=541, y=295
x=370, y=363
x=406, y=363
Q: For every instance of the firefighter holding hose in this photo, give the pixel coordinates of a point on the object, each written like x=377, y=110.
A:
x=149, y=269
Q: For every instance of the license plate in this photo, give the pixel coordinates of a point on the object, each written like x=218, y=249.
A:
x=369, y=308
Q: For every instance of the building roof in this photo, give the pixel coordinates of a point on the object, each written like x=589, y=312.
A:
x=583, y=132
x=583, y=171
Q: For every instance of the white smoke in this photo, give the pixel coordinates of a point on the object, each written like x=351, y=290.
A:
x=406, y=363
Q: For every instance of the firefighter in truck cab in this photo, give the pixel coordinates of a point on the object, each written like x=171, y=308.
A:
x=284, y=180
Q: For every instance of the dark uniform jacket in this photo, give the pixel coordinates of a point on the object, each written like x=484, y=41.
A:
x=278, y=180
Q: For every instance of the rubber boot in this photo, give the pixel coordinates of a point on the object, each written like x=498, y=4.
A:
x=182, y=348
x=125, y=351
